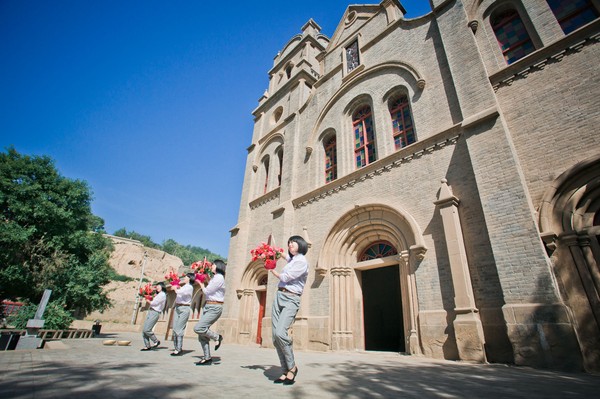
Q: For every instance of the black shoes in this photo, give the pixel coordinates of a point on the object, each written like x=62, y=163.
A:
x=290, y=381
x=280, y=380
x=285, y=380
x=155, y=345
x=218, y=345
x=204, y=362
x=177, y=353
x=145, y=349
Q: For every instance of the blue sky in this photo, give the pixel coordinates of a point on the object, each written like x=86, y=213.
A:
x=148, y=101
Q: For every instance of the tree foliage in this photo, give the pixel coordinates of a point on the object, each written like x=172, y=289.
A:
x=187, y=253
x=49, y=238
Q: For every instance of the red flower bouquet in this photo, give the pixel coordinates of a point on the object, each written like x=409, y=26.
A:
x=203, y=270
x=267, y=254
x=172, y=278
x=147, y=292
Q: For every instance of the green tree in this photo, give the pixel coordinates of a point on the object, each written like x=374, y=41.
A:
x=145, y=240
x=49, y=238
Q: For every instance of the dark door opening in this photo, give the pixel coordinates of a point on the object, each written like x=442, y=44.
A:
x=382, y=307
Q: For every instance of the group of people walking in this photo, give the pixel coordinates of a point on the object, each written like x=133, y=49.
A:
x=286, y=304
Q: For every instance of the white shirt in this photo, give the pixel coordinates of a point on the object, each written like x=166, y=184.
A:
x=215, y=290
x=184, y=295
x=294, y=274
x=159, y=302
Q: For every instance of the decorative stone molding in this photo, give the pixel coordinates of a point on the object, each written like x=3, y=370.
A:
x=551, y=54
x=254, y=168
x=421, y=84
x=263, y=199
x=418, y=251
x=474, y=25
x=384, y=165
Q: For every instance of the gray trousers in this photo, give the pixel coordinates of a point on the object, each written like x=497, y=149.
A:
x=180, y=318
x=210, y=315
x=147, y=333
x=285, y=308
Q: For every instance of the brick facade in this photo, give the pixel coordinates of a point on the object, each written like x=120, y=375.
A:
x=462, y=205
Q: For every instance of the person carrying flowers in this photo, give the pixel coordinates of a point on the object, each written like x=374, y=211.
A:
x=286, y=304
x=157, y=304
x=214, y=293
x=182, y=310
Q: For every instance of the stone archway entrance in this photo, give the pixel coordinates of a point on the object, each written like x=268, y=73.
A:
x=570, y=227
x=252, y=304
x=382, y=309
x=387, y=324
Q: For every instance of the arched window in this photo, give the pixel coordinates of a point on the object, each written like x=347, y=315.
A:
x=512, y=36
x=380, y=249
x=572, y=14
x=280, y=158
x=330, y=146
x=402, y=122
x=364, y=137
x=266, y=168
x=288, y=70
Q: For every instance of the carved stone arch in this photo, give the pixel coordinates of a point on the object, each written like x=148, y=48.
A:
x=567, y=214
x=355, y=231
x=249, y=294
x=358, y=102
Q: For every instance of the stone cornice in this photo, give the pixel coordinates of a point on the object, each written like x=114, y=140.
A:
x=400, y=157
x=263, y=199
x=551, y=54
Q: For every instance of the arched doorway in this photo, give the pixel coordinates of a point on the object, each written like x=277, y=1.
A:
x=253, y=298
x=373, y=250
x=570, y=227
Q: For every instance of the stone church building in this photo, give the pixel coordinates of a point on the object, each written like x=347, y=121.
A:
x=445, y=170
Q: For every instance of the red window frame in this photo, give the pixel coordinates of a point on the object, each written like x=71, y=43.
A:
x=503, y=19
x=364, y=146
x=330, y=159
x=398, y=107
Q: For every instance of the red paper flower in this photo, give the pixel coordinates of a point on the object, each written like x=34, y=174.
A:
x=147, y=292
x=203, y=269
x=267, y=254
x=172, y=278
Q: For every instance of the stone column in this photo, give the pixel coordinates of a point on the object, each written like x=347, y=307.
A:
x=408, y=288
x=245, y=325
x=467, y=324
x=342, y=336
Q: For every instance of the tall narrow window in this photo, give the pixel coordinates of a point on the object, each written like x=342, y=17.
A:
x=280, y=158
x=330, y=159
x=512, y=35
x=402, y=122
x=364, y=137
x=572, y=14
x=352, y=59
x=266, y=166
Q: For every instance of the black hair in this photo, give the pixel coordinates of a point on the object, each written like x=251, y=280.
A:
x=162, y=286
x=302, y=244
x=192, y=277
x=221, y=266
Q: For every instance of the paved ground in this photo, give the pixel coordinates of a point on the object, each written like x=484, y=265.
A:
x=87, y=369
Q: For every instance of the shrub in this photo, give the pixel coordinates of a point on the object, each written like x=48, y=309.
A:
x=56, y=317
